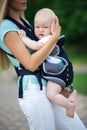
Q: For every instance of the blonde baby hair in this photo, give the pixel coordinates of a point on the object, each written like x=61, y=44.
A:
x=44, y=12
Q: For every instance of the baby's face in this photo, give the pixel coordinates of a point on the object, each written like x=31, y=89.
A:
x=42, y=27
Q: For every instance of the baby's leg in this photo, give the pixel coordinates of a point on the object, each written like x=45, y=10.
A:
x=72, y=97
x=53, y=93
x=63, y=122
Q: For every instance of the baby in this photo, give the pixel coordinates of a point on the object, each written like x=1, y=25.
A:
x=57, y=68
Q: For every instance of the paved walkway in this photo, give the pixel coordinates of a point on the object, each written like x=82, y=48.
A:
x=11, y=117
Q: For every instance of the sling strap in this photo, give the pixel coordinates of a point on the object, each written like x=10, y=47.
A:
x=21, y=72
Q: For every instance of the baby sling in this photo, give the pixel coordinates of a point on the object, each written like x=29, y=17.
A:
x=60, y=73
x=21, y=72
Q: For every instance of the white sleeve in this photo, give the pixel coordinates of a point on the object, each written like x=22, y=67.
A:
x=45, y=39
x=34, y=45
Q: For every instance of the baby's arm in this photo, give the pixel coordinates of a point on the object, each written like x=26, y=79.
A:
x=34, y=45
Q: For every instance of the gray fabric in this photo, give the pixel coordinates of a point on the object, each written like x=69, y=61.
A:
x=51, y=68
x=56, y=80
x=51, y=71
x=55, y=51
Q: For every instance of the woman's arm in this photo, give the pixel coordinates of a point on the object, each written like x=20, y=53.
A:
x=32, y=61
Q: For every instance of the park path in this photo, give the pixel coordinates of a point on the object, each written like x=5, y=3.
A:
x=11, y=117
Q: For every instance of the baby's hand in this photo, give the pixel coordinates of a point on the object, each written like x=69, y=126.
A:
x=21, y=33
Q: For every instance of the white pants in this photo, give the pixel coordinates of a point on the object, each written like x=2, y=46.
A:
x=44, y=115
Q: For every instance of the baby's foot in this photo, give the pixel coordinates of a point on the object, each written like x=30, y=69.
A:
x=72, y=97
x=70, y=110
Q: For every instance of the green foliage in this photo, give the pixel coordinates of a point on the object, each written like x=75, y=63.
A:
x=76, y=54
x=80, y=82
x=73, y=19
x=72, y=16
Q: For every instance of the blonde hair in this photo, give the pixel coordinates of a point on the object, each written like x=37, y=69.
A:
x=44, y=12
x=3, y=9
x=4, y=61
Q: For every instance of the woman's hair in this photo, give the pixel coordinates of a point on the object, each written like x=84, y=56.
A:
x=3, y=9
x=4, y=61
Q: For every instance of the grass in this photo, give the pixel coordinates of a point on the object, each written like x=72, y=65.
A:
x=80, y=82
x=78, y=56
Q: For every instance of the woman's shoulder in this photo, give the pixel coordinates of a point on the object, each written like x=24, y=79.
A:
x=7, y=24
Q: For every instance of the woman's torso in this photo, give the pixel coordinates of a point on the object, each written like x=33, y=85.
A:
x=15, y=26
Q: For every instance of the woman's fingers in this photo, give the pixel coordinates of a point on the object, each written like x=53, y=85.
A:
x=55, y=28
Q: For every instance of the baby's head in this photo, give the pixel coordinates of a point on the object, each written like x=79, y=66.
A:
x=42, y=22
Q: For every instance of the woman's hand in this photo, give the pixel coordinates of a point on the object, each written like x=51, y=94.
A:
x=55, y=27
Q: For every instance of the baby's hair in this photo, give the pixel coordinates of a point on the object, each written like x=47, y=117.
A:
x=44, y=12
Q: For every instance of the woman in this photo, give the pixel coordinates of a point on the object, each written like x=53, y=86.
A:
x=39, y=111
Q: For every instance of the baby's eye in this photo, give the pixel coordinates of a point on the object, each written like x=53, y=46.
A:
x=46, y=27
x=36, y=26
